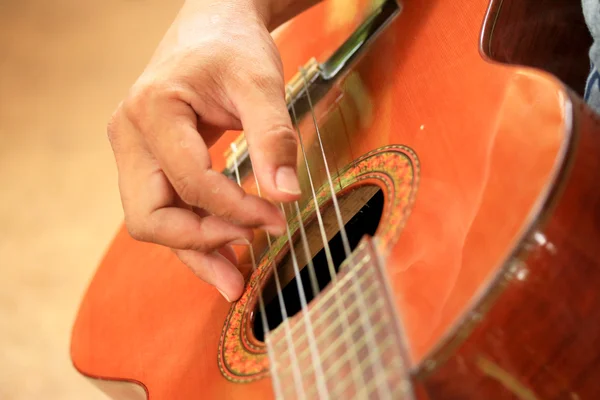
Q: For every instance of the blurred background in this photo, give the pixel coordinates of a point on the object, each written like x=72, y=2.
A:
x=64, y=67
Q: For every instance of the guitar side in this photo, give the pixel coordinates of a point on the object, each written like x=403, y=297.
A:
x=534, y=332
x=535, y=335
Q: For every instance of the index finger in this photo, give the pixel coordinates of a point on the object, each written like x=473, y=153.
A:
x=185, y=160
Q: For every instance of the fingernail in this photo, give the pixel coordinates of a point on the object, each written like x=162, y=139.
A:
x=224, y=295
x=286, y=180
x=240, y=242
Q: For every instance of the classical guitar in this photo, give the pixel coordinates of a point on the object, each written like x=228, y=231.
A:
x=445, y=247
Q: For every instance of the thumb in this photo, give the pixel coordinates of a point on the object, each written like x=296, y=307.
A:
x=272, y=141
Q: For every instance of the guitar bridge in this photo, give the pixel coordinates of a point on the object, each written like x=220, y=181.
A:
x=318, y=78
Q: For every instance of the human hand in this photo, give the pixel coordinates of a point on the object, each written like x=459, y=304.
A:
x=216, y=69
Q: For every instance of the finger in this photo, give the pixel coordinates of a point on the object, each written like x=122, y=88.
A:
x=149, y=217
x=215, y=269
x=185, y=159
x=229, y=254
x=151, y=206
x=272, y=142
x=182, y=229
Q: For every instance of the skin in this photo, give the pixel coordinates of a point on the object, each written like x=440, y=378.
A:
x=216, y=69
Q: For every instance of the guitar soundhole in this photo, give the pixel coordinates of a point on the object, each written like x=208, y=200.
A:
x=362, y=208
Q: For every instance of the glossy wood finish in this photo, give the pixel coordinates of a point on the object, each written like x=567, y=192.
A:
x=546, y=34
x=490, y=140
x=536, y=333
x=540, y=337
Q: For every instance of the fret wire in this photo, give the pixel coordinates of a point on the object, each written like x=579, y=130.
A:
x=374, y=382
x=369, y=334
x=363, y=364
x=331, y=327
x=334, y=345
x=337, y=343
x=333, y=368
x=359, y=345
x=354, y=270
x=300, y=340
x=321, y=300
x=406, y=385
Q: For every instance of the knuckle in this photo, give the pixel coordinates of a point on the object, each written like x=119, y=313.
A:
x=201, y=239
x=283, y=133
x=186, y=190
x=140, y=104
x=113, y=127
x=136, y=230
x=201, y=246
x=266, y=81
x=137, y=104
x=227, y=214
x=281, y=138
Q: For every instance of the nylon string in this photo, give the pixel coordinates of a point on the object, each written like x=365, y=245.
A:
x=272, y=364
x=384, y=393
x=346, y=335
x=356, y=375
x=315, y=358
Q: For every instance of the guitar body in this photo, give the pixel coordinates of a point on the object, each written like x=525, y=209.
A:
x=488, y=234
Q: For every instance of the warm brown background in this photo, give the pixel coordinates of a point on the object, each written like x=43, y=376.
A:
x=64, y=66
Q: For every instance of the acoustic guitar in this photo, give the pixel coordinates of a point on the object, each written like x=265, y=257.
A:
x=446, y=244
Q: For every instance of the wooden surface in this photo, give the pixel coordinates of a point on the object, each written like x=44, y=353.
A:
x=541, y=336
x=488, y=138
x=64, y=65
x=547, y=34
x=554, y=280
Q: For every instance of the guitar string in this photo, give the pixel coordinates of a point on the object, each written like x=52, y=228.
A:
x=334, y=346
x=365, y=363
x=331, y=328
x=357, y=376
x=270, y=353
x=314, y=283
x=338, y=363
x=384, y=393
x=321, y=386
x=380, y=322
x=321, y=318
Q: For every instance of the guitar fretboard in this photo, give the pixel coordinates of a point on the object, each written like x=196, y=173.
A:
x=348, y=345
